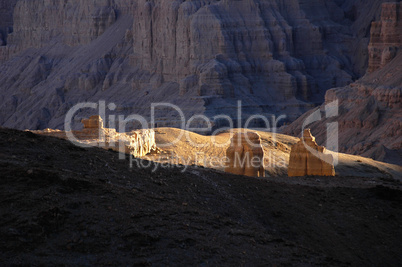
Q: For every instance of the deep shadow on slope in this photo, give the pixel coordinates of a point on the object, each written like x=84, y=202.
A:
x=66, y=205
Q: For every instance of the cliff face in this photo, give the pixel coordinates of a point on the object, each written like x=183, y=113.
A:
x=38, y=23
x=386, y=36
x=370, y=120
x=74, y=22
x=278, y=57
x=6, y=19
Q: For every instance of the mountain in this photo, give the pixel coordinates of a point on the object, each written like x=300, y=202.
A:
x=370, y=109
x=278, y=57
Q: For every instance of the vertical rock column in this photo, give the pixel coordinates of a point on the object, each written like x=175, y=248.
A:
x=246, y=155
x=303, y=162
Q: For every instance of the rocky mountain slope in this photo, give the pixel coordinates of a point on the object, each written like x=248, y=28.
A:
x=278, y=57
x=370, y=110
x=370, y=122
x=65, y=205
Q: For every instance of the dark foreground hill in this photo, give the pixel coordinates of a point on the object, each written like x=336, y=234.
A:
x=64, y=205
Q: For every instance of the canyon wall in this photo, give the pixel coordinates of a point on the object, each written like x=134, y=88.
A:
x=6, y=19
x=277, y=57
x=369, y=110
x=386, y=36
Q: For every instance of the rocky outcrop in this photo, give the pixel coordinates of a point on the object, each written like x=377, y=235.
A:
x=309, y=159
x=386, y=36
x=138, y=143
x=245, y=155
x=369, y=116
x=94, y=122
x=278, y=57
x=368, y=111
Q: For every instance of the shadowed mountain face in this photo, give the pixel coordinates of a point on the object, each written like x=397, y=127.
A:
x=278, y=57
x=369, y=118
x=369, y=110
x=6, y=19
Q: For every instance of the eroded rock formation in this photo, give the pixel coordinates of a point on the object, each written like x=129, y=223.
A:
x=138, y=143
x=308, y=158
x=369, y=110
x=386, y=36
x=245, y=155
x=278, y=57
x=95, y=122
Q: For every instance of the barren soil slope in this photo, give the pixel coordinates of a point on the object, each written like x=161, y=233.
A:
x=65, y=205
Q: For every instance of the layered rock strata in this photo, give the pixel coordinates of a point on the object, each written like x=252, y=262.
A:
x=138, y=143
x=245, y=155
x=369, y=111
x=309, y=159
x=386, y=36
x=278, y=57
